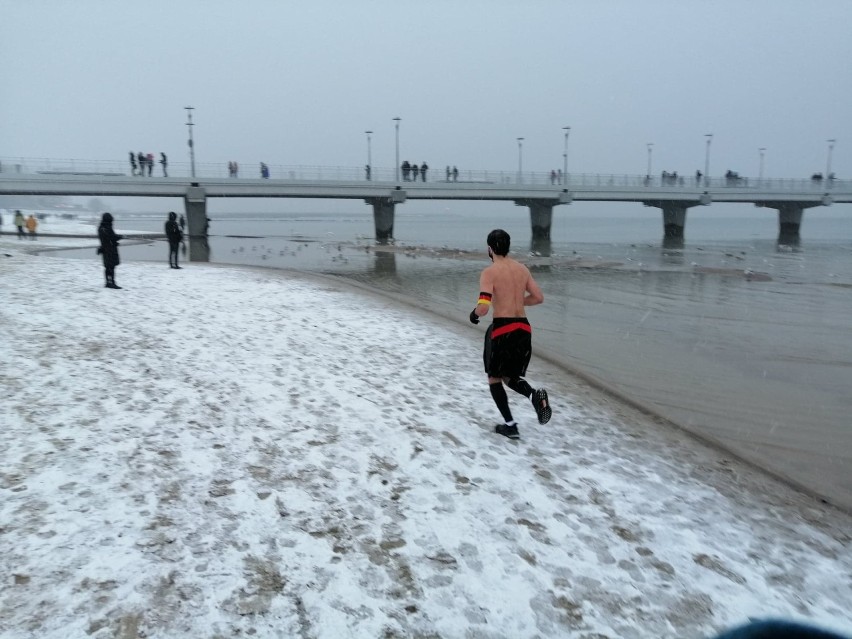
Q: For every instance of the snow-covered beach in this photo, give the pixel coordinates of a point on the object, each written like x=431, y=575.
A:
x=223, y=452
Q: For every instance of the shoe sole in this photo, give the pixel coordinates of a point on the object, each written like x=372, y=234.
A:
x=543, y=411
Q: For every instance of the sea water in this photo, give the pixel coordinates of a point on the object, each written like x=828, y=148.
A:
x=731, y=335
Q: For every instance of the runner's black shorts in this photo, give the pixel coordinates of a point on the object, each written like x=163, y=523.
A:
x=508, y=347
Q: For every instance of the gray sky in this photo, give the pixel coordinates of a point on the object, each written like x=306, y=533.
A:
x=298, y=82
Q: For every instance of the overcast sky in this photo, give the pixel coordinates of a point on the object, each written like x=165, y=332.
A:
x=299, y=82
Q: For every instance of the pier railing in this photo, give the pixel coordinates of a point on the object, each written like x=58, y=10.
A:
x=571, y=182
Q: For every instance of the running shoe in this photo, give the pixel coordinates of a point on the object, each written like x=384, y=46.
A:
x=508, y=430
x=541, y=405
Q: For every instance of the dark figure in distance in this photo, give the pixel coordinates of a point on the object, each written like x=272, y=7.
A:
x=423, y=168
x=174, y=235
x=109, y=249
x=164, y=161
x=182, y=222
x=510, y=287
x=132, y=163
x=19, y=222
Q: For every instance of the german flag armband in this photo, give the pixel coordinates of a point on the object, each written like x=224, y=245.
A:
x=484, y=298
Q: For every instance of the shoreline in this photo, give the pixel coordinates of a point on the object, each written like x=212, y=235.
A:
x=600, y=384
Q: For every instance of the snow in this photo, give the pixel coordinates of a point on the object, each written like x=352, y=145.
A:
x=224, y=452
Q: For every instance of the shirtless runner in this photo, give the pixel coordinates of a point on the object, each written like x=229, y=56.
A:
x=508, y=286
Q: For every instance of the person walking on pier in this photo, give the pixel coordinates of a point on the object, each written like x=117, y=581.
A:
x=415, y=171
x=109, y=249
x=406, y=168
x=32, y=225
x=165, y=162
x=19, y=222
x=455, y=174
x=174, y=235
x=448, y=173
x=132, y=163
x=423, y=168
x=508, y=287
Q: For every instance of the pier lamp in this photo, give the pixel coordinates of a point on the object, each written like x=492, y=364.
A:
x=189, y=125
x=650, y=146
x=709, y=137
x=397, y=121
x=567, y=130
x=520, y=159
x=369, y=155
x=828, y=162
x=760, y=172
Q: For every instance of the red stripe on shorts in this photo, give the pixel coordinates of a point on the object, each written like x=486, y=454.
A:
x=508, y=328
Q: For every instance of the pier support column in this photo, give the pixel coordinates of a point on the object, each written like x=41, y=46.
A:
x=674, y=221
x=789, y=221
x=674, y=215
x=790, y=216
x=195, y=205
x=541, y=217
x=383, y=213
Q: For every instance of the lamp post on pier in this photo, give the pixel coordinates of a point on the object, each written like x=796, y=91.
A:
x=828, y=161
x=650, y=146
x=397, y=121
x=567, y=130
x=760, y=172
x=189, y=125
x=369, y=156
x=709, y=137
x=520, y=159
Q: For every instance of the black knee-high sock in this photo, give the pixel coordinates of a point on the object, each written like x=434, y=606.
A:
x=502, y=401
x=519, y=385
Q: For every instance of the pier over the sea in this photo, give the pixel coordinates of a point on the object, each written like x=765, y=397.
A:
x=538, y=191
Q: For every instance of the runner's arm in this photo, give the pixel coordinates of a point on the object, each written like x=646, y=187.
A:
x=533, y=295
x=486, y=290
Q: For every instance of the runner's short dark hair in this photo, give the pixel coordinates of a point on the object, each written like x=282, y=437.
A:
x=499, y=241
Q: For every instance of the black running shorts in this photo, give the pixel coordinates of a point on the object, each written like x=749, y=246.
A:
x=508, y=347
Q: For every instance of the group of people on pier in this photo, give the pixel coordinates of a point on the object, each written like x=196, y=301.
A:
x=142, y=162
x=411, y=171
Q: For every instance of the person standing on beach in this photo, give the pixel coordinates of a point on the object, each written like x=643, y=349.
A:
x=174, y=236
x=32, y=225
x=19, y=222
x=109, y=249
x=508, y=287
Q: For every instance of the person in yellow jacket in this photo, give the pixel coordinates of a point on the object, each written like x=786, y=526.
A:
x=32, y=225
